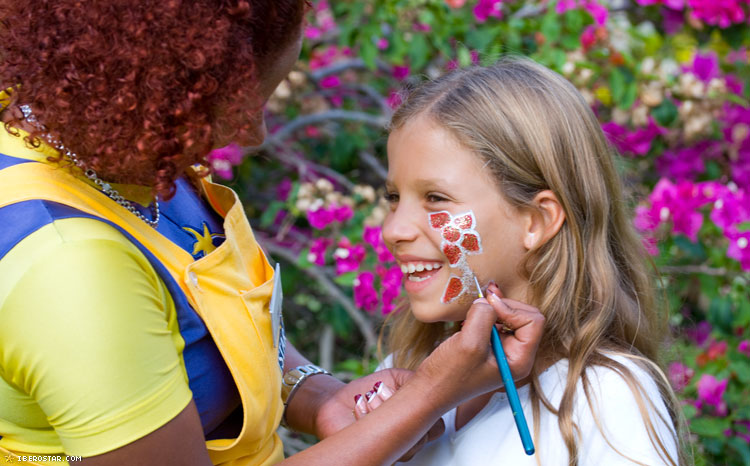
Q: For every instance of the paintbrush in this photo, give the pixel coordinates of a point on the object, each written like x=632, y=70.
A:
x=510, y=386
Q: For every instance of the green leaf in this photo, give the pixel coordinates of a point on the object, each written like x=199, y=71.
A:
x=551, y=26
x=346, y=279
x=464, y=57
x=369, y=53
x=709, y=426
x=419, y=51
x=742, y=369
x=690, y=411
x=665, y=113
x=617, y=83
x=743, y=226
x=741, y=447
x=269, y=215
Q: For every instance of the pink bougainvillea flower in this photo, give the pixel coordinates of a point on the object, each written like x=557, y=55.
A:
x=342, y=213
x=588, y=39
x=382, y=43
x=394, y=100
x=486, y=8
x=722, y=13
x=705, y=66
x=597, y=11
x=320, y=218
x=455, y=3
x=283, y=189
x=739, y=248
x=373, y=236
x=680, y=375
x=317, y=254
x=711, y=393
x=744, y=347
x=565, y=5
x=365, y=296
x=223, y=159
x=676, y=203
x=348, y=257
x=716, y=350
x=422, y=27
x=330, y=81
x=312, y=32
x=400, y=72
x=686, y=163
x=390, y=280
x=700, y=333
x=633, y=142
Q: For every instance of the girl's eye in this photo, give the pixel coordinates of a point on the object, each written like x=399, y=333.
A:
x=434, y=198
x=390, y=197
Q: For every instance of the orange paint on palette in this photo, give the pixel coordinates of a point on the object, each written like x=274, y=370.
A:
x=453, y=290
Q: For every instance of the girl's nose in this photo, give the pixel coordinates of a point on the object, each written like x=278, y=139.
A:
x=400, y=226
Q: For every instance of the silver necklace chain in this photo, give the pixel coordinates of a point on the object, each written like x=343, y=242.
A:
x=90, y=173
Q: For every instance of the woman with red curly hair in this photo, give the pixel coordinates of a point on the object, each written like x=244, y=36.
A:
x=140, y=323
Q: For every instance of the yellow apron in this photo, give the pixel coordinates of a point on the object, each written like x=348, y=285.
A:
x=230, y=289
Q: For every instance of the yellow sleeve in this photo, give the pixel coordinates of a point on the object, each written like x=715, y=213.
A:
x=88, y=331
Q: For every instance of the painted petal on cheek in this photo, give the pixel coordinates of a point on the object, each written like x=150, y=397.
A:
x=452, y=252
x=454, y=288
x=464, y=222
x=471, y=242
x=439, y=219
x=451, y=234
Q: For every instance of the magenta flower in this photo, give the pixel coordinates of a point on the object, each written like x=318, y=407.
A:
x=700, y=333
x=739, y=248
x=312, y=32
x=678, y=203
x=716, y=349
x=722, y=13
x=342, y=213
x=486, y=8
x=317, y=254
x=597, y=11
x=565, y=5
x=390, y=280
x=394, y=100
x=365, y=296
x=711, y=392
x=348, y=257
x=400, y=72
x=330, y=82
x=382, y=43
x=588, y=39
x=223, y=159
x=744, y=347
x=680, y=375
x=688, y=162
x=635, y=142
x=320, y=218
x=705, y=66
x=373, y=236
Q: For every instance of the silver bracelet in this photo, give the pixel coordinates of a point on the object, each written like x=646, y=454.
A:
x=292, y=380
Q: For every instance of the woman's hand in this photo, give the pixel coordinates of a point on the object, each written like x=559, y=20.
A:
x=337, y=412
x=463, y=366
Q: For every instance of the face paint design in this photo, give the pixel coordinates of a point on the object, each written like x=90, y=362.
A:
x=459, y=239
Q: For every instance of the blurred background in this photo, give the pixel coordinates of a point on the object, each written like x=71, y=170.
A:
x=669, y=81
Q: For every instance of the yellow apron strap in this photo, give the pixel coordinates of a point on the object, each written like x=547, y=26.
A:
x=27, y=181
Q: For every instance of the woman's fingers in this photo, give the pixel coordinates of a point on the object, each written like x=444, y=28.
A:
x=366, y=403
x=527, y=324
x=360, y=406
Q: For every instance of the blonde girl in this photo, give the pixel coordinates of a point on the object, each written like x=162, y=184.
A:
x=516, y=150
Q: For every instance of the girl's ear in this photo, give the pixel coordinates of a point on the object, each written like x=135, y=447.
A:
x=545, y=217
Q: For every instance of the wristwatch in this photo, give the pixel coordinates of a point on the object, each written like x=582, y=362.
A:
x=292, y=381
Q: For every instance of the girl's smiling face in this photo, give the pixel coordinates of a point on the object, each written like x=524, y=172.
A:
x=429, y=172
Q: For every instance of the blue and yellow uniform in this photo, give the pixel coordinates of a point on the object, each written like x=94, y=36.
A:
x=108, y=328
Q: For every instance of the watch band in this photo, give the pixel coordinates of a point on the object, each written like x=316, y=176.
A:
x=292, y=380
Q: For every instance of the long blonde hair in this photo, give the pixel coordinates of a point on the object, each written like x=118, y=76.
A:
x=534, y=131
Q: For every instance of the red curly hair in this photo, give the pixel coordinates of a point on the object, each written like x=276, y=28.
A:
x=132, y=86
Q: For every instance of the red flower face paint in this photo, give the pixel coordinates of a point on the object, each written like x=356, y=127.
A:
x=459, y=240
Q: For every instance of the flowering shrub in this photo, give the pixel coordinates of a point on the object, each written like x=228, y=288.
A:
x=669, y=81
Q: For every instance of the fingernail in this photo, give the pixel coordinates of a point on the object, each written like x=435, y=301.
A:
x=493, y=297
x=480, y=300
x=356, y=398
x=492, y=283
x=384, y=392
x=369, y=395
x=377, y=385
x=360, y=405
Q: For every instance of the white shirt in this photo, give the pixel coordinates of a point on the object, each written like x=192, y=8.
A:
x=491, y=437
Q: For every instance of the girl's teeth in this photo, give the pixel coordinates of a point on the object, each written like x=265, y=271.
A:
x=414, y=278
x=419, y=267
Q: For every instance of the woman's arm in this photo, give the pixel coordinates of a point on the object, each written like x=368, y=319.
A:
x=458, y=369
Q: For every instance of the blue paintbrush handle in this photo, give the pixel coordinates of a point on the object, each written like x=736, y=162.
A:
x=510, y=389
